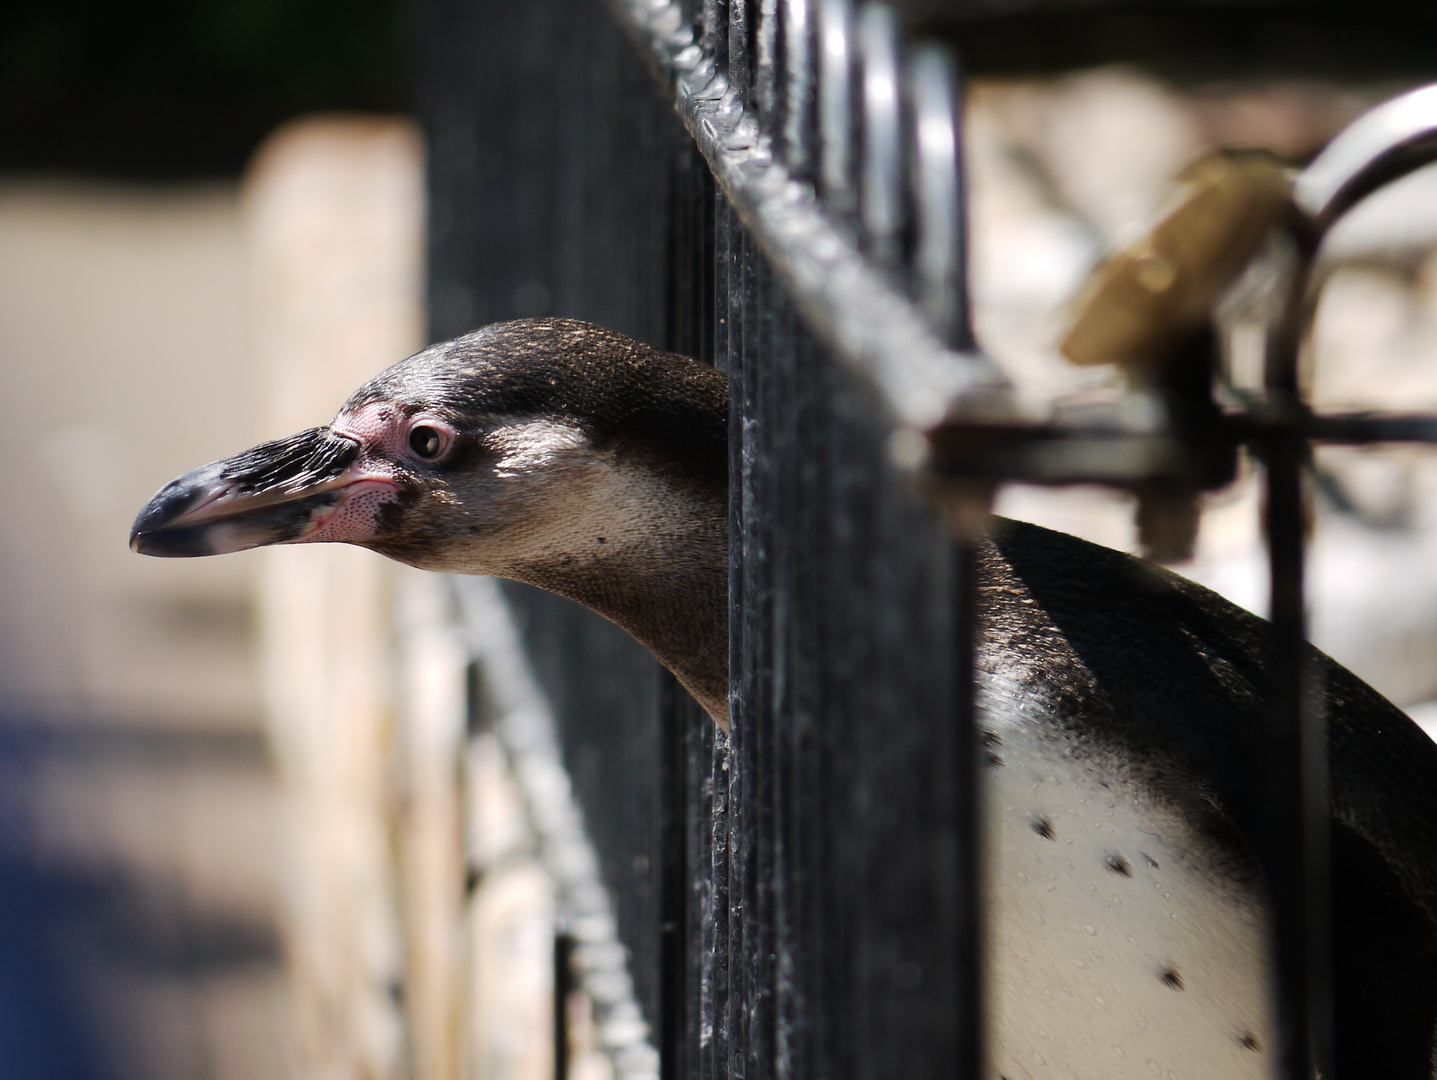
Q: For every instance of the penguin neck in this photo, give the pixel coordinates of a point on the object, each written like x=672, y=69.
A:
x=680, y=617
x=650, y=554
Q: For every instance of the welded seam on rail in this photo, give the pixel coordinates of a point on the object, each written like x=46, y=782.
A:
x=528, y=732
x=851, y=306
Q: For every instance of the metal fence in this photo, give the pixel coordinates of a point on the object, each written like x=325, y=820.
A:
x=799, y=899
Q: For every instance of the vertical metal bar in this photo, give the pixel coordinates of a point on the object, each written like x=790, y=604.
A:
x=477, y=720
x=713, y=42
x=766, y=62
x=684, y=729
x=717, y=1025
x=968, y=961
x=881, y=178
x=941, y=285
x=796, y=34
x=700, y=738
x=725, y=964
x=736, y=298
x=763, y=877
x=563, y=988
x=1296, y=768
x=835, y=118
x=738, y=49
x=940, y=255
x=674, y=922
x=1297, y=843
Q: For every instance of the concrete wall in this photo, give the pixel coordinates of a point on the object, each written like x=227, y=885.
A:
x=137, y=781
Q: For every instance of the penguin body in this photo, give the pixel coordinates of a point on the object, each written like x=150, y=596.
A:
x=1123, y=707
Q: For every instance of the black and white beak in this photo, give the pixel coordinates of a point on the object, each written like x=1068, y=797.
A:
x=285, y=491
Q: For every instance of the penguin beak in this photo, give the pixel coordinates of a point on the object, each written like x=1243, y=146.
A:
x=277, y=493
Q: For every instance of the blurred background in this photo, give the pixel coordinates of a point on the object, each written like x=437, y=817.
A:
x=211, y=228
x=143, y=852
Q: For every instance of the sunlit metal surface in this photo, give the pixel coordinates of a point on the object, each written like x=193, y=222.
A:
x=848, y=301
x=1390, y=141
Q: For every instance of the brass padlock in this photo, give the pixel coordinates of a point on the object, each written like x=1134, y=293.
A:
x=1145, y=298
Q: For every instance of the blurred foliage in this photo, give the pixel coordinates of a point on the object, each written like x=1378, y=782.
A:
x=169, y=88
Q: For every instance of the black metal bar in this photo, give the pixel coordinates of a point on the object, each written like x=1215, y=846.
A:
x=752, y=775
x=725, y=999
x=1296, y=769
x=1296, y=850
x=1356, y=429
x=683, y=727
x=564, y=987
x=702, y=809
x=968, y=960
x=1071, y=454
x=716, y=1026
x=674, y=930
x=477, y=720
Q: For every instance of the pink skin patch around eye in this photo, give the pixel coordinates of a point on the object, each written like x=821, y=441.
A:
x=375, y=478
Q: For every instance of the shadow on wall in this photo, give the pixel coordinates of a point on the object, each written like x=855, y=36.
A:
x=46, y=1032
x=106, y=964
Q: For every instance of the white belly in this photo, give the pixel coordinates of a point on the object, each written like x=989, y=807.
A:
x=1112, y=953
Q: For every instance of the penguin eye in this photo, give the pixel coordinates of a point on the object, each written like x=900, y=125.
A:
x=426, y=442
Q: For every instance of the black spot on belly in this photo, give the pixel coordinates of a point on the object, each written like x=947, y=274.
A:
x=1150, y=860
x=993, y=761
x=992, y=738
x=1170, y=977
x=1119, y=865
x=1043, y=827
x=1248, y=1041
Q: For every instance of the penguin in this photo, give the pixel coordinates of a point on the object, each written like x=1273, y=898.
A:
x=1121, y=706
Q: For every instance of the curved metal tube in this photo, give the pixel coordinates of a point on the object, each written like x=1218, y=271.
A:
x=1389, y=142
